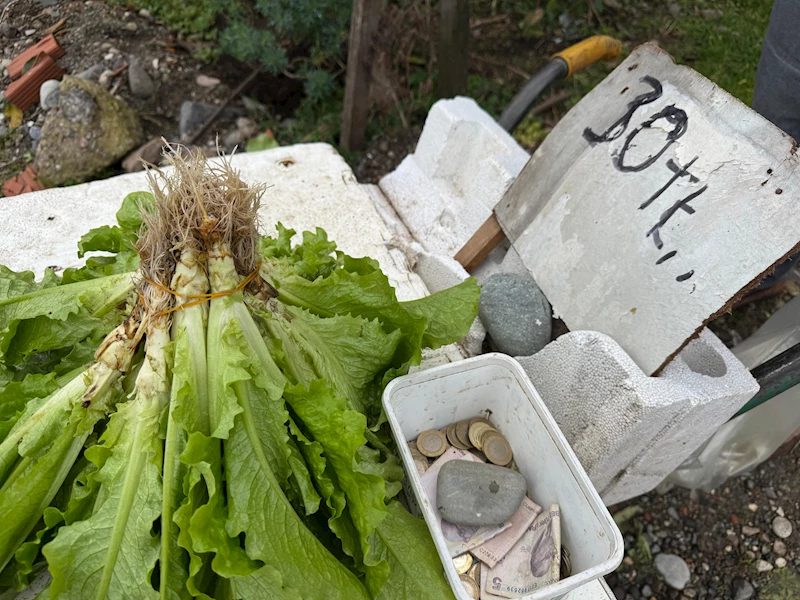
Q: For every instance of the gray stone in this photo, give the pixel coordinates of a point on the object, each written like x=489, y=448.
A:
x=750, y=531
x=674, y=570
x=3, y=129
x=89, y=130
x=194, y=114
x=674, y=9
x=742, y=589
x=35, y=132
x=92, y=73
x=474, y=493
x=516, y=314
x=48, y=94
x=647, y=591
x=77, y=105
x=779, y=548
x=140, y=82
x=782, y=527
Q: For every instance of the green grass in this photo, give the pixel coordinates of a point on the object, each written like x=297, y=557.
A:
x=725, y=49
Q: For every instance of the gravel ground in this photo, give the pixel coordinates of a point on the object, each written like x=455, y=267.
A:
x=727, y=538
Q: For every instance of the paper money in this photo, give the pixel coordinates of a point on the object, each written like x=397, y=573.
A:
x=533, y=562
x=458, y=538
x=493, y=551
x=485, y=593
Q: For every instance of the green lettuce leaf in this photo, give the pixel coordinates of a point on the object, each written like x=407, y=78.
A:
x=115, y=547
x=118, y=240
x=15, y=396
x=257, y=506
x=449, y=313
x=340, y=432
x=415, y=569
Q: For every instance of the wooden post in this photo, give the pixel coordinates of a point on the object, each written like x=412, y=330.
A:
x=453, y=48
x=363, y=25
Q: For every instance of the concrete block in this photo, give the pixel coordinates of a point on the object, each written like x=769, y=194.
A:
x=630, y=430
x=463, y=164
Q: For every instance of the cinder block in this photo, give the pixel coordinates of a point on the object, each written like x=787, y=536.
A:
x=630, y=430
x=462, y=166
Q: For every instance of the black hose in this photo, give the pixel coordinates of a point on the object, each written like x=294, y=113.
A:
x=525, y=99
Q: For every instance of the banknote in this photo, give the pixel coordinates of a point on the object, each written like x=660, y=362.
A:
x=495, y=549
x=533, y=562
x=458, y=538
x=485, y=593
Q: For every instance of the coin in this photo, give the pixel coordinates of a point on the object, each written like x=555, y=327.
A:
x=462, y=433
x=432, y=443
x=412, y=448
x=453, y=438
x=472, y=587
x=497, y=449
x=478, y=454
x=462, y=563
x=480, y=420
x=475, y=571
x=476, y=431
x=566, y=563
x=421, y=464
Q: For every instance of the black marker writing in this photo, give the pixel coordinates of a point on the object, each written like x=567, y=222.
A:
x=679, y=172
x=667, y=214
x=619, y=127
x=675, y=116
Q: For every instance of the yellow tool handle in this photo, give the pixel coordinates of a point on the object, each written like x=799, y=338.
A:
x=589, y=51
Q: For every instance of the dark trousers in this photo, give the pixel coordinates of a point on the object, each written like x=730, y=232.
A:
x=777, y=91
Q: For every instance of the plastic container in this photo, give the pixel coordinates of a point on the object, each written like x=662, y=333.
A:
x=496, y=384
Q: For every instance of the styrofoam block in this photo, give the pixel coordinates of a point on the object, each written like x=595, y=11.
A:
x=630, y=430
x=309, y=185
x=720, y=386
x=462, y=166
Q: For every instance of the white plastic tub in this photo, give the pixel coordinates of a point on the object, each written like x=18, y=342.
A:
x=496, y=383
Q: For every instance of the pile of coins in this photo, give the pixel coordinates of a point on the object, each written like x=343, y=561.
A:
x=477, y=435
x=469, y=571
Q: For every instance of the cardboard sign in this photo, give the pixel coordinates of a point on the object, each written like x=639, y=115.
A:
x=653, y=204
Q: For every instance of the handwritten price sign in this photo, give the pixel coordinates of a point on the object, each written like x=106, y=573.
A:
x=653, y=204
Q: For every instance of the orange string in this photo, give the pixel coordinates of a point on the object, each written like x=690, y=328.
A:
x=200, y=298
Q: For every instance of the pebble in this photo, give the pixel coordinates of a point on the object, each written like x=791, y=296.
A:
x=753, y=507
x=749, y=531
x=742, y=589
x=233, y=138
x=780, y=562
x=762, y=566
x=779, y=548
x=474, y=493
x=647, y=591
x=35, y=132
x=144, y=13
x=48, y=94
x=248, y=127
x=516, y=314
x=206, y=81
x=139, y=81
x=131, y=26
x=780, y=512
x=674, y=570
x=782, y=527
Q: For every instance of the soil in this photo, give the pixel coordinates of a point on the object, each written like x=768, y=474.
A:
x=99, y=33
